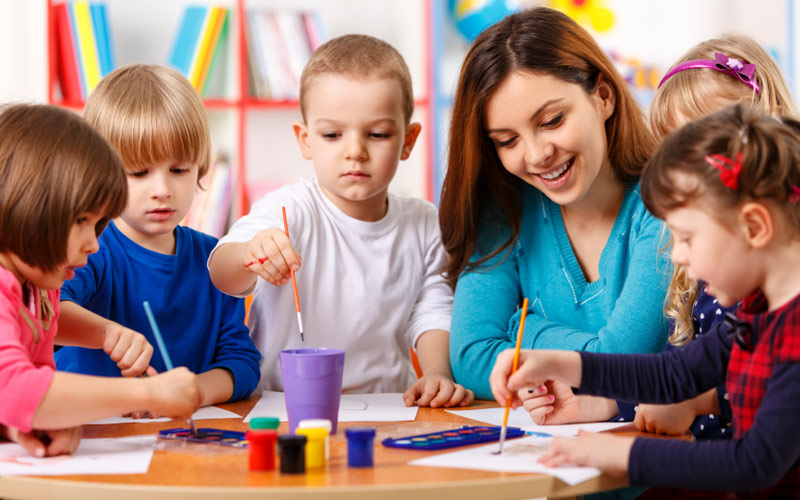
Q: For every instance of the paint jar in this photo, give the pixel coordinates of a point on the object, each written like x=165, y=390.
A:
x=261, y=448
x=360, y=447
x=315, y=446
x=319, y=423
x=293, y=454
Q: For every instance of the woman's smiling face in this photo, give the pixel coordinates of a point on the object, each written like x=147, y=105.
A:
x=551, y=133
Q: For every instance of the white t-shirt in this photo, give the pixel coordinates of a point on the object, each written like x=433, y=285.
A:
x=370, y=288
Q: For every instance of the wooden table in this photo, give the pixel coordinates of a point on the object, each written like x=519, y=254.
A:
x=198, y=475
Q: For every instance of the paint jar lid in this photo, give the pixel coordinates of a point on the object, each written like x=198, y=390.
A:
x=314, y=423
x=264, y=423
x=360, y=433
x=261, y=436
x=313, y=433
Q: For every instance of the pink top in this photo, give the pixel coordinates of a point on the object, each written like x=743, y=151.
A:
x=26, y=359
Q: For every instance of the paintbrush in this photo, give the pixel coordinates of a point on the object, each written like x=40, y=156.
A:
x=294, y=283
x=163, y=348
x=513, y=369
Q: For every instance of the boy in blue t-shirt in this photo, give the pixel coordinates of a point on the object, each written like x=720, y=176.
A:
x=157, y=122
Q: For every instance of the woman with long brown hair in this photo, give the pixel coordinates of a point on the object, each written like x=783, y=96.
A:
x=541, y=200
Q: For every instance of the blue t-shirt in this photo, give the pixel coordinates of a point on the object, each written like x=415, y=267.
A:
x=621, y=312
x=202, y=327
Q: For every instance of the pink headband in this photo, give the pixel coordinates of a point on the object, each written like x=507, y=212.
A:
x=728, y=65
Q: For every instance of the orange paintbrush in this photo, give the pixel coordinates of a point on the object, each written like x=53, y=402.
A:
x=294, y=282
x=513, y=369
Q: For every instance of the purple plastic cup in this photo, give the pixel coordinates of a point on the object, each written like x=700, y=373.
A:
x=312, y=384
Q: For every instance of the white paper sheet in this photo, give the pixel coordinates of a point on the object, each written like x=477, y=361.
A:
x=128, y=455
x=387, y=407
x=519, y=455
x=521, y=418
x=205, y=413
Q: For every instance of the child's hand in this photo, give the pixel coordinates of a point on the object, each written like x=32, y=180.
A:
x=607, y=452
x=437, y=391
x=270, y=255
x=533, y=369
x=40, y=443
x=174, y=394
x=674, y=419
x=129, y=349
x=551, y=403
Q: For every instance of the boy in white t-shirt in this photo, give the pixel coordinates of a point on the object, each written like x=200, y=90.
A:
x=370, y=281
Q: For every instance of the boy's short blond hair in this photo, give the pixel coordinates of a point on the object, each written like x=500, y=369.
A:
x=151, y=114
x=54, y=167
x=358, y=56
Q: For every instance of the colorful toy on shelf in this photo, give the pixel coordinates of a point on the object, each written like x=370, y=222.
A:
x=473, y=16
x=589, y=13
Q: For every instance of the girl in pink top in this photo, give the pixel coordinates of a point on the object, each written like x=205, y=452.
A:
x=60, y=183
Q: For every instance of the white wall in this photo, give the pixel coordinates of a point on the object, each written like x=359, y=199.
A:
x=23, y=50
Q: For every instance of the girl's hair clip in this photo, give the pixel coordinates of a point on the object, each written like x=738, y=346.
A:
x=794, y=196
x=740, y=70
x=729, y=170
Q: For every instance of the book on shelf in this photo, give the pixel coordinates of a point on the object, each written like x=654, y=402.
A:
x=199, y=40
x=84, y=49
x=211, y=205
x=279, y=43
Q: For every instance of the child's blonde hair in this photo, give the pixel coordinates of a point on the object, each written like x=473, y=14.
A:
x=766, y=148
x=151, y=114
x=53, y=168
x=694, y=93
x=358, y=56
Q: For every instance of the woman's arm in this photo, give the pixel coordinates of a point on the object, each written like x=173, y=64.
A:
x=484, y=301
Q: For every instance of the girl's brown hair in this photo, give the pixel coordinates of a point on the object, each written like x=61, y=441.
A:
x=53, y=167
x=770, y=166
x=476, y=185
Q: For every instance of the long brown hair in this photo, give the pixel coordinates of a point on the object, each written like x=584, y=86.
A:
x=476, y=186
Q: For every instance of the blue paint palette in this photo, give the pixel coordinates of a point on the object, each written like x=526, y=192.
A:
x=206, y=435
x=454, y=438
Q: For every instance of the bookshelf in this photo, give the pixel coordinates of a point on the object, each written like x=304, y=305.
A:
x=255, y=135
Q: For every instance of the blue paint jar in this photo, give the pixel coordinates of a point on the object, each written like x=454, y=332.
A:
x=360, y=448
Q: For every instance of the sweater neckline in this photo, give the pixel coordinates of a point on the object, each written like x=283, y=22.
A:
x=570, y=261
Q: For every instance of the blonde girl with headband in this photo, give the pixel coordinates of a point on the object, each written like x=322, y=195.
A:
x=715, y=73
x=728, y=188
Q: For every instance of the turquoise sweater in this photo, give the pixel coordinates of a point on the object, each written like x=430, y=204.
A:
x=621, y=312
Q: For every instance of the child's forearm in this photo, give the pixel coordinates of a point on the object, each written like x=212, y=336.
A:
x=80, y=327
x=706, y=403
x=596, y=409
x=216, y=386
x=74, y=399
x=227, y=269
x=433, y=350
